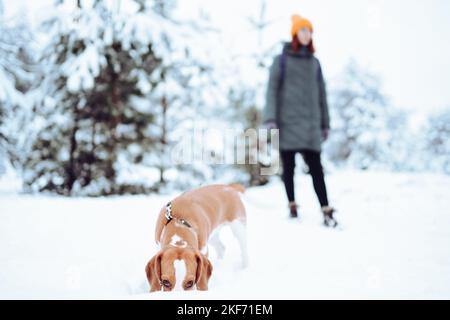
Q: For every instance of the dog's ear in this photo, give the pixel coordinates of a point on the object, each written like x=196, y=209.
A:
x=160, y=223
x=204, y=271
x=153, y=271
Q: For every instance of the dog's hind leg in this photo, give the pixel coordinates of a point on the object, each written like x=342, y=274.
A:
x=217, y=244
x=238, y=227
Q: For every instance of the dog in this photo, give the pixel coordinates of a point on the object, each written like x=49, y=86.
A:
x=185, y=227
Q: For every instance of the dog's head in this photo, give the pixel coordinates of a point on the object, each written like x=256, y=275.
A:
x=174, y=268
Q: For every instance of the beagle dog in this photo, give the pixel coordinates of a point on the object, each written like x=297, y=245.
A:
x=185, y=227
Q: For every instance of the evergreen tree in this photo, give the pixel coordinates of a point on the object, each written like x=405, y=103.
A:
x=437, y=141
x=359, y=116
x=15, y=80
x=187, y=87
x=245, y=98
x=94, y=121
x=119, y=86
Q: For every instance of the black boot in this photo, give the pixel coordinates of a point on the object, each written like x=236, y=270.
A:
x=328, y=219
x=293, y=210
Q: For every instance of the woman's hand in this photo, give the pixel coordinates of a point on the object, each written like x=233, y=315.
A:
x=325, y=133
x=269, y=125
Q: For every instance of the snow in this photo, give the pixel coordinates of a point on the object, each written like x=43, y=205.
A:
x=393, y=243
x=10, y=182
x=7, y=92
x=84, y=69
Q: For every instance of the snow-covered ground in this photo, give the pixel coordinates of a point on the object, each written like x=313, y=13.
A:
x=394, y=243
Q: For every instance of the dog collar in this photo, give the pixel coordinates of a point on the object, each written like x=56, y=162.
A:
x=169, y=212
x=170, y=217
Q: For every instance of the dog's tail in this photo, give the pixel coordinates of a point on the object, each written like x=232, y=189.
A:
x=238, y=187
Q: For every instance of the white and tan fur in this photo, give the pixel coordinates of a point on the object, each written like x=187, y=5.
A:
x=182, y=261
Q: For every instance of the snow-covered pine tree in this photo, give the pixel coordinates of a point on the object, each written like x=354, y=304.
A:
x=15, y=80
x=93, y=119
x=437, y=142
x=246, y=96
x=186, y=94
x=359, y=116
x=405, y=144
x=123, y=81
x=242, y=100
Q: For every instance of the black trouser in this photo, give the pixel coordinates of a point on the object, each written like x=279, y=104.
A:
x=312, y=160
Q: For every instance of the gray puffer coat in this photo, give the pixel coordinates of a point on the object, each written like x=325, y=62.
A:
x=303, y=103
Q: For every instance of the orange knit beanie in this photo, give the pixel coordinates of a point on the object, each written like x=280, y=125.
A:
x=299, y=23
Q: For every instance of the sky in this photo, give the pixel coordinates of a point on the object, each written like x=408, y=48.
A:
x=404, y=42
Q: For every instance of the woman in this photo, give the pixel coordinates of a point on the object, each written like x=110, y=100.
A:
x=296, y=103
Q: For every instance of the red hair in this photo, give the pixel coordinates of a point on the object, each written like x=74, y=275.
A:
x=296, y=45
